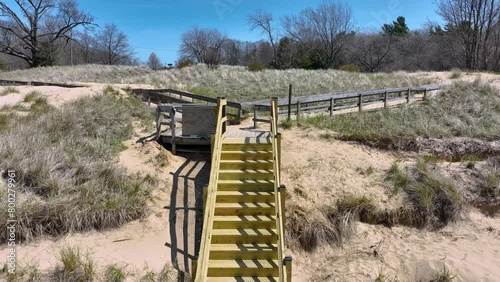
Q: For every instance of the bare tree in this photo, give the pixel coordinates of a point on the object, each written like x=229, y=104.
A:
x=328, y=26
x=154, y=62
x=203, y=45
x=87, y=46
x=370, y=50
x=113, y=46
x=33, y=25
x=472, y=22
x=232, y=52
x=263, y=21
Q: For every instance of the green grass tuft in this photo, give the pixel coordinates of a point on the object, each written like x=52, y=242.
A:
x=8, y=90
x=444, y=275
x=74, y=266
x=32, y=96
x=397, y=177
x=116, y=273
x=433, y=199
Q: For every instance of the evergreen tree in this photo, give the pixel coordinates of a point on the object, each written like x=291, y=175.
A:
x=397, y=28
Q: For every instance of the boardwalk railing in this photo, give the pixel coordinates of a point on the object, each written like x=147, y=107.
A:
x=285, y=267
x=169, y=96
x=202, y=262
x=332, y=102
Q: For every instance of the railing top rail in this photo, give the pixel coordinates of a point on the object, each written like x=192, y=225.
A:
x=340, y=95
x=189, y=95
x=202, y=270
x=277, y=184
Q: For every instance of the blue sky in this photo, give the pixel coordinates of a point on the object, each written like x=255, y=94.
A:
x=157, y=25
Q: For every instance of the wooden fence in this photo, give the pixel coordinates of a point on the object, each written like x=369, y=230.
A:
x=36, y=83
x=332, y=102
x=170, y=96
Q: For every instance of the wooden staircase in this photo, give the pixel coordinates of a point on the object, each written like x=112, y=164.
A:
x=243, y=236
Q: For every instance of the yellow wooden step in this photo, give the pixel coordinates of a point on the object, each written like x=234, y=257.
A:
x=232, y=268
x=244, y=209
x=249, y=174
x=246, y=155
x=242, y=279
x=244, y=236
x=245, y=185
x=247, y=147
x=246, y=164
x=244, y=196
x=247, y=140
x=243, y=251
x=245, y=222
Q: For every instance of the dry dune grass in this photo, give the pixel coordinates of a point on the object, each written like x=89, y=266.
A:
x=65, y=167
x=81, y=73
x=467, y=110
x=235, y=83
x=74, y=264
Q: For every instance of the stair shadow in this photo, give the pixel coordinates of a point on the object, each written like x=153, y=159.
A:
x=186, y=210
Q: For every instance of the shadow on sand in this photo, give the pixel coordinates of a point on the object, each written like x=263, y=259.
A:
x=186, y=211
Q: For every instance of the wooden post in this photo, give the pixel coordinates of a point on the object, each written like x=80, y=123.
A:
x=288, y=266
x=298, y=110
x=332, y=104
x=408, y=96
x=194, y=267
x=425, y=94
x=385, y=99
x=290, y=102
x=282, y=191
x=360, y=102
x=278, y=139
x=224, y=124
x=275, y=118
x=159, y=99
x=172, y=128
x=149, y=100
x=254, y=117
x=158, y=123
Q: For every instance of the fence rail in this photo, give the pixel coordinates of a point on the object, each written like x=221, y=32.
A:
x=332, y=102
x=165, y=96
x=4, y=82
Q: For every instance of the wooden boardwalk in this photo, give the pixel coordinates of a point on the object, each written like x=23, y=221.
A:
x=339, y=95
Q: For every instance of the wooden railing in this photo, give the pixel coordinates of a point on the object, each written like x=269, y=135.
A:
x=285, y=267
x=201, y=269
x=159, y=96
x=332, y=102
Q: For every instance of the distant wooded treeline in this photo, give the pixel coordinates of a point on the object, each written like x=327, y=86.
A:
x=56, y=32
